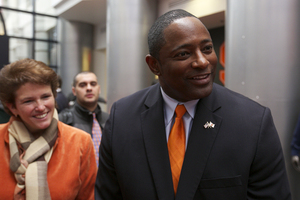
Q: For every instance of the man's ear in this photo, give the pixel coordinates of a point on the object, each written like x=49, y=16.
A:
x=153, y=64
x=73, y=91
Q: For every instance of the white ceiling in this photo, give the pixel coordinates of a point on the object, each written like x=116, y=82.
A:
x=94, y=12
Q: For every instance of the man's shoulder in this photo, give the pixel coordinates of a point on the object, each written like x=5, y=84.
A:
x=139, y=96
x=230, y=98
x=67, y=116
x=104, y=114
x=72, y=132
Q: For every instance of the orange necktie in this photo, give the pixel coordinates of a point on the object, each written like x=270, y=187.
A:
x=176, y=145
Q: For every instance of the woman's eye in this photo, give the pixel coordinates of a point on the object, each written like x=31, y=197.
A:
x=46, y=97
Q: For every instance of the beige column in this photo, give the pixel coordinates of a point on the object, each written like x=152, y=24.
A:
x=263, y=63
x=127, y=27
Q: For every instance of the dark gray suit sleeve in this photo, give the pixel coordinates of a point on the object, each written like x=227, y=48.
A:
x=66, y=116
x=268, y=178
x=107, y=186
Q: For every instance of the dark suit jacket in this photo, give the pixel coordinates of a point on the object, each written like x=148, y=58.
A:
x=62, y=102
x=240, y=158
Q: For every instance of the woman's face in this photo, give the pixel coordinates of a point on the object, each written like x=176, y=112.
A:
x=34, y=104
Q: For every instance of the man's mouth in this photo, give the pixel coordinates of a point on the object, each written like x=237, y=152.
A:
x=200, y=77
x=89, y=95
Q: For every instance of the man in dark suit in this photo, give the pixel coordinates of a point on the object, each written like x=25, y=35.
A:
x=232, y=149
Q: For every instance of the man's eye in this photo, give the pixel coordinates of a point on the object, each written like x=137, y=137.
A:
x=93, y=83
x=182, y=54
x=208, y=49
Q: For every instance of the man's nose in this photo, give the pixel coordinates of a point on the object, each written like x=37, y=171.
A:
x=89, y=86
x=200, y=60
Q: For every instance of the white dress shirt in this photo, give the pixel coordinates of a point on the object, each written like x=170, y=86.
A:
x=169, y=114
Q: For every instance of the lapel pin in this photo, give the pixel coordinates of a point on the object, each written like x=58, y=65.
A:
x=209, y=125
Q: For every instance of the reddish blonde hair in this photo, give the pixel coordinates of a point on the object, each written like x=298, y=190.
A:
x=16, y=74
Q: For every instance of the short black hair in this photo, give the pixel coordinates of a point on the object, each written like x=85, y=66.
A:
x=156, y=36
x=75, y=77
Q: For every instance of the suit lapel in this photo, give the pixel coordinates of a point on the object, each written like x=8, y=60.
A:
x=200, y=143
x=153, y=129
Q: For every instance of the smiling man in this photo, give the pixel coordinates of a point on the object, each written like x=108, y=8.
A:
x=86, y=114
x=187, y=138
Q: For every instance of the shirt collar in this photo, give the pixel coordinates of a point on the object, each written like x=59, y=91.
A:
x=170, y=105
x=83, y=110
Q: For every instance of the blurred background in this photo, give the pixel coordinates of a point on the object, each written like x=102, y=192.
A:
x=258, y=40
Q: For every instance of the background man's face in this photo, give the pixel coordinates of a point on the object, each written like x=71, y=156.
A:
x=187, y=61
x=87, y=89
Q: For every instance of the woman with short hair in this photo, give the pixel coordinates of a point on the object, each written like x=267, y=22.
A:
x=41, y=158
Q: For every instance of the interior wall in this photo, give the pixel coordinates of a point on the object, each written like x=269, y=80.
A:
x=100, y=61
x=128, y=23
x=100, y=36
x=100, y=69
x=75, y=37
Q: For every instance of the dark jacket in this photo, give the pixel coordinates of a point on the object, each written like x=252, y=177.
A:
x=62, y=101
x=296, y=140
x=4, y=117
x=240, y=158
x=82, y=118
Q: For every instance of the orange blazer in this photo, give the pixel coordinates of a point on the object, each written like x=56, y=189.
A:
x=71, y=170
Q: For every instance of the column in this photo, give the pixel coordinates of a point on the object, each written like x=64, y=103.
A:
x=263, y=63
x=127, y=27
